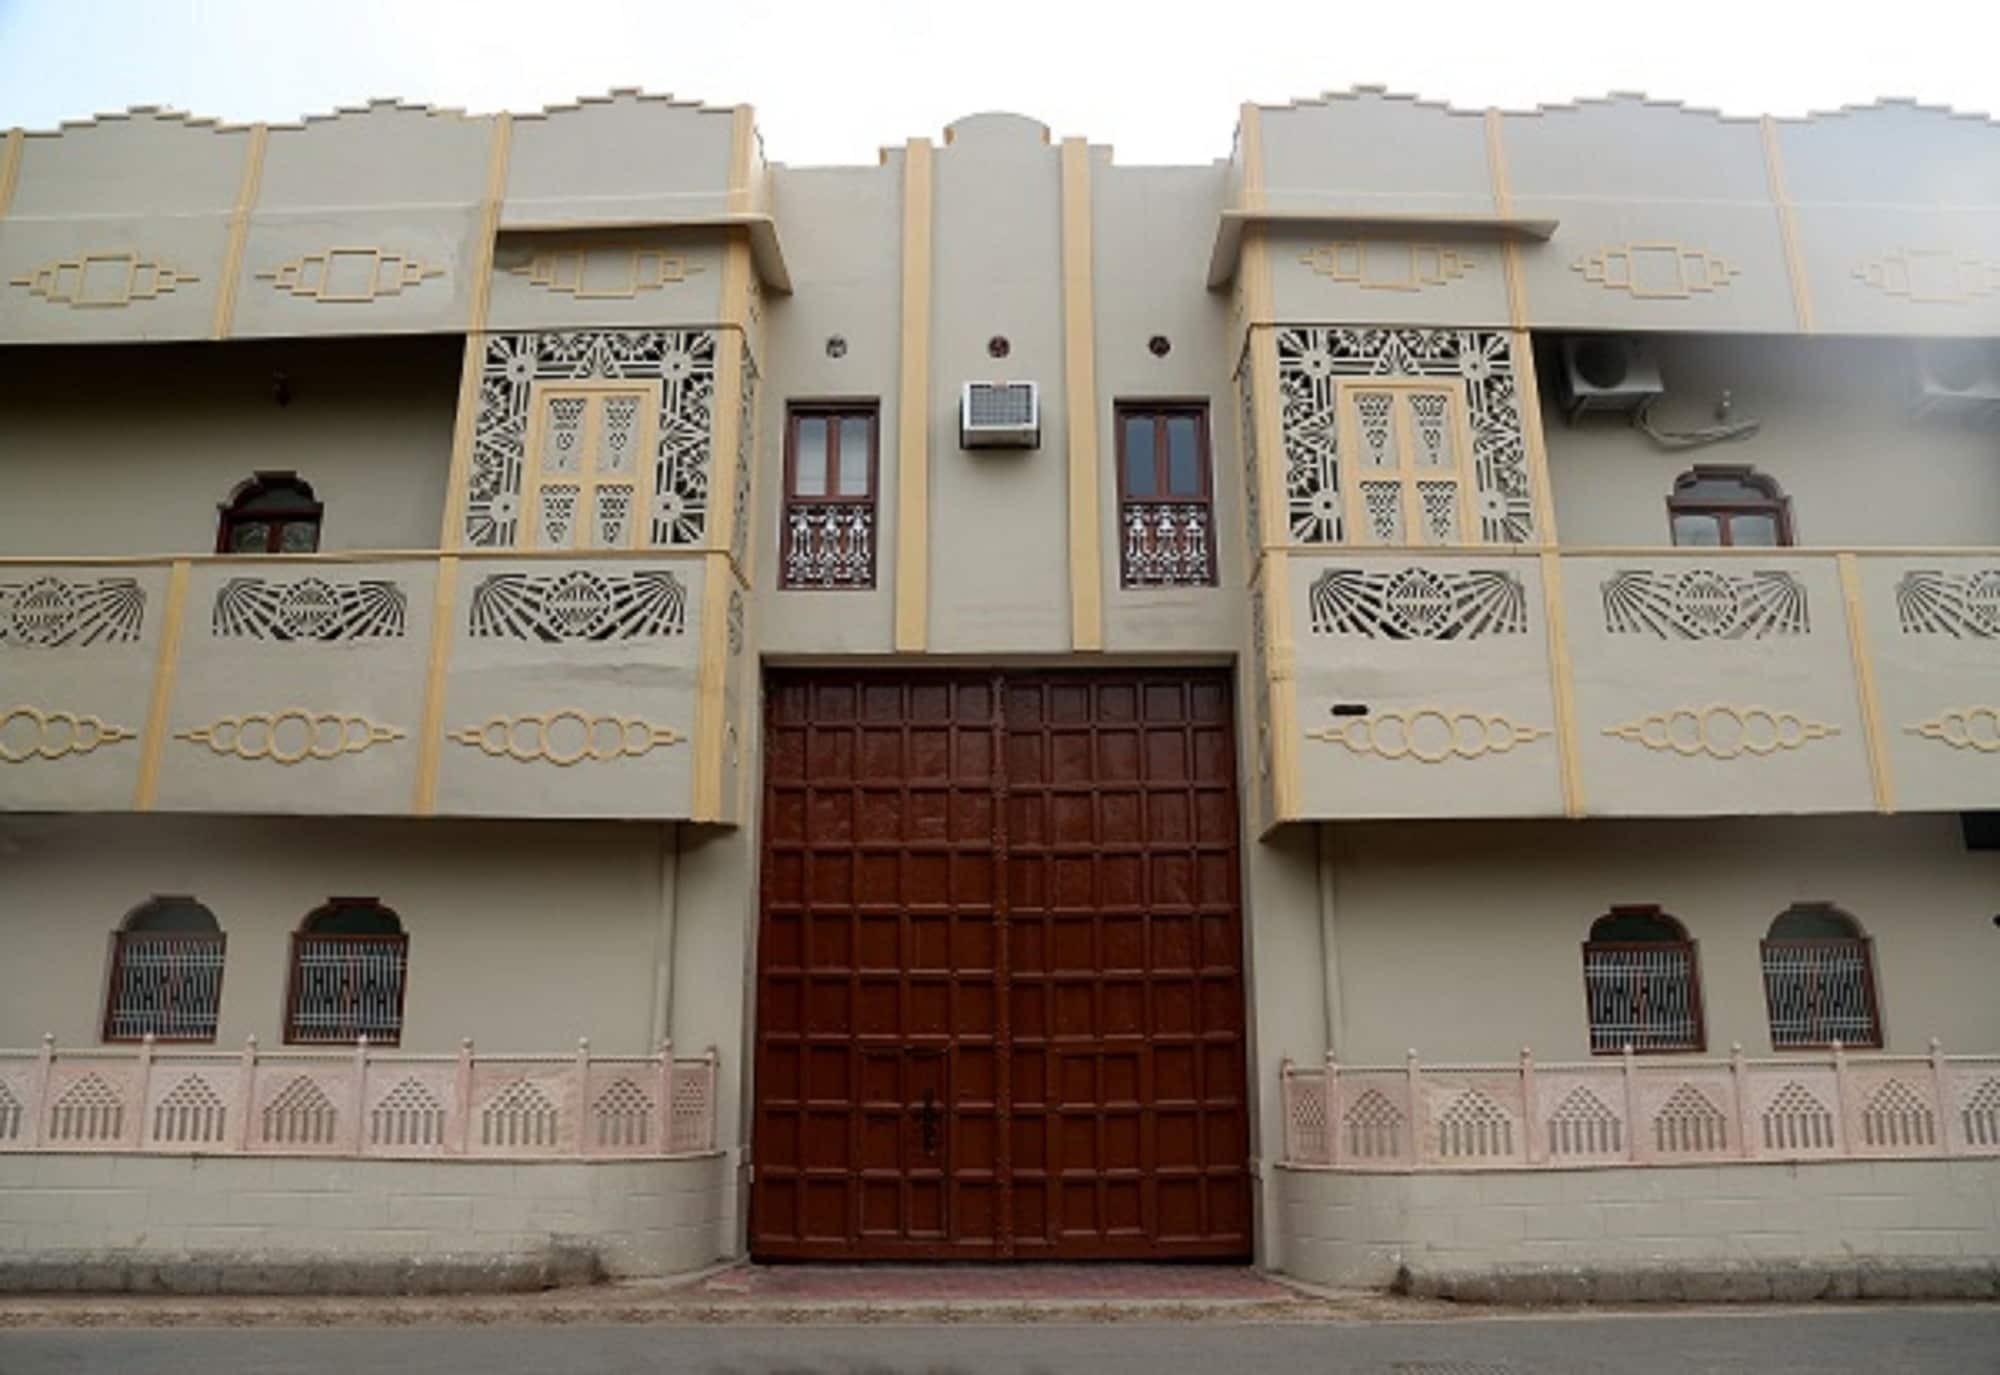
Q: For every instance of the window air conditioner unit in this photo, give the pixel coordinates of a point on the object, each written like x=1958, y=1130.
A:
x=1000, y=415
x=1608, y=372
x=1959, y=377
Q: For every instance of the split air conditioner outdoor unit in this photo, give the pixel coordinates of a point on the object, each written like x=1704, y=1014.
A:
x=1959, y=377
x=1000, y=415
x=1607, y=372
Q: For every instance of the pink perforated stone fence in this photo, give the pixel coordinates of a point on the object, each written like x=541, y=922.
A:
x=1634, y=1111
x=356, y=1101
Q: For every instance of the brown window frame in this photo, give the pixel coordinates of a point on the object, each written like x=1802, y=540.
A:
x=1862, y=944
x=1772, y=503
x=295, y=977
x=125, y=939
x=841, y=410
x=231, y=514
x=1686, y=945
x=1162, y=409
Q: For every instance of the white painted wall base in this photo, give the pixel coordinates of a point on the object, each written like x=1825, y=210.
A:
x=643, y=1217
x=1353, y=1229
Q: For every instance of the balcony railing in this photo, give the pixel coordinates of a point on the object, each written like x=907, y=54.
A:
x=356, y=1102
x=1633, y=1111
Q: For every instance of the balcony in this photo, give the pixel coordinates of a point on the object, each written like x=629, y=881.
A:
x=509, y=684
x=1644, y=682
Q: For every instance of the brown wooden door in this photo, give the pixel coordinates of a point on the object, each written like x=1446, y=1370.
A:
x=1000, y=1007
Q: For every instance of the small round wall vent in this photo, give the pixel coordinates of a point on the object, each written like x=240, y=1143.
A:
x=836, y=346
x=1159, y=346
x=998, y=347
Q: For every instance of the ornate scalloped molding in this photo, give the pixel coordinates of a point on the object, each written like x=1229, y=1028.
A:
x=58, y=733
x=1429, y=735
x=120, y=279
x=263, y=735
x=628, y=737
x=1963, y=728
x=1722, y=731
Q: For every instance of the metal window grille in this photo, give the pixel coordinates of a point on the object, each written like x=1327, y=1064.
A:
x=347, y=987
x=1644, y=994
x=168, y=986
x=1821, y=991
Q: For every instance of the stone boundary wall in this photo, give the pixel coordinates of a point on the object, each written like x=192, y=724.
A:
x=274, y=1225
x=1551, y=1235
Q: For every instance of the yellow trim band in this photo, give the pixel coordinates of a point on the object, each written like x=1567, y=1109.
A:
x=497, y=155
x=164, y=664
x=1086, y=568
x=10, y=169
x=239, y=230
x=1864, y=681
x=1503, y=204
x=913, y=479
x=1562, y=678
x=430, y=745
x=1788, y=227
x=711, y=719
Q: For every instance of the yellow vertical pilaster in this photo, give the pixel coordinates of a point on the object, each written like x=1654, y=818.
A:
x=913, y=490
x=1788, y=227
x=1864, y=683
x=165, y=663
x=430, y=745
x=1086, y=569
x=239, y=230
x=1562, y=682
x=10, y=168
x=481, y=268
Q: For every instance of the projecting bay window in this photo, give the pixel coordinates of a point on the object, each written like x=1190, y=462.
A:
x=831, y=457
x=349, y=961
x=166, y=974
x=1165, y=499
x=1819, y=980
x=1406, y=452
x=590, y=448
x=1641, y=984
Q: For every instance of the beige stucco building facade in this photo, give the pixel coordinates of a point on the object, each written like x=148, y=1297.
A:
x=1421, y=696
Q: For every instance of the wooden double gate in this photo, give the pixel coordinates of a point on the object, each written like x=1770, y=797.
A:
x=1000, y=988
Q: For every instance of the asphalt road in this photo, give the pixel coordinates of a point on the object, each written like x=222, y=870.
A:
x=1882, y=1341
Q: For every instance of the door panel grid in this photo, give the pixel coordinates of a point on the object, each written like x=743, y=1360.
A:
x=1000, y=1007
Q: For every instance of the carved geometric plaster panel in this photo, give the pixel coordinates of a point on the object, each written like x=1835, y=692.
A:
x=1311, y=362
x=683, y=360
x=97, y=280
x=566, y=736
x=1722, y=731
x=578, y=605
x=53, y=613
x=1419, y=604
x=291, y=735
x=1655, y=271
x=348, y=276
x=39, y=734
x=312, y=609
x=1429, y=735
x=1961, y=605
x=1704, y=604
x=1376, y=265
x=608, y=273
x=1963, y=728
x=1930, y=276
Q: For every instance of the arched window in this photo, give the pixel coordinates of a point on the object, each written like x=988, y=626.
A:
x=166, y=973
x=272, y=513
x=1641, y=983
x=348, y=962
x=1728, y=506
x=1819, y=979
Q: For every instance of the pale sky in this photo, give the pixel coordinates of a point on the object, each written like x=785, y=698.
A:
x=834, y=81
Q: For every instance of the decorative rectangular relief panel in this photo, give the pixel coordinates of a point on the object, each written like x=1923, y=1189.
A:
x=605, y=272
x=1419, y=603
x=1385, y=265
x=52, y=612
x=671, y=473
x=323, y=610
x=1656, y=271
x=580, y=604
x=349, y=276
x=1705, y=604
x=1330, y=441
x=102, y=280
x=1962, y=605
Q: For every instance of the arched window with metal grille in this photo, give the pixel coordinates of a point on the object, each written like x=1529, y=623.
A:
x=270, y=513
x=1641, y=983
x=349, y=961
x=166, y=973
x=1819, y=979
